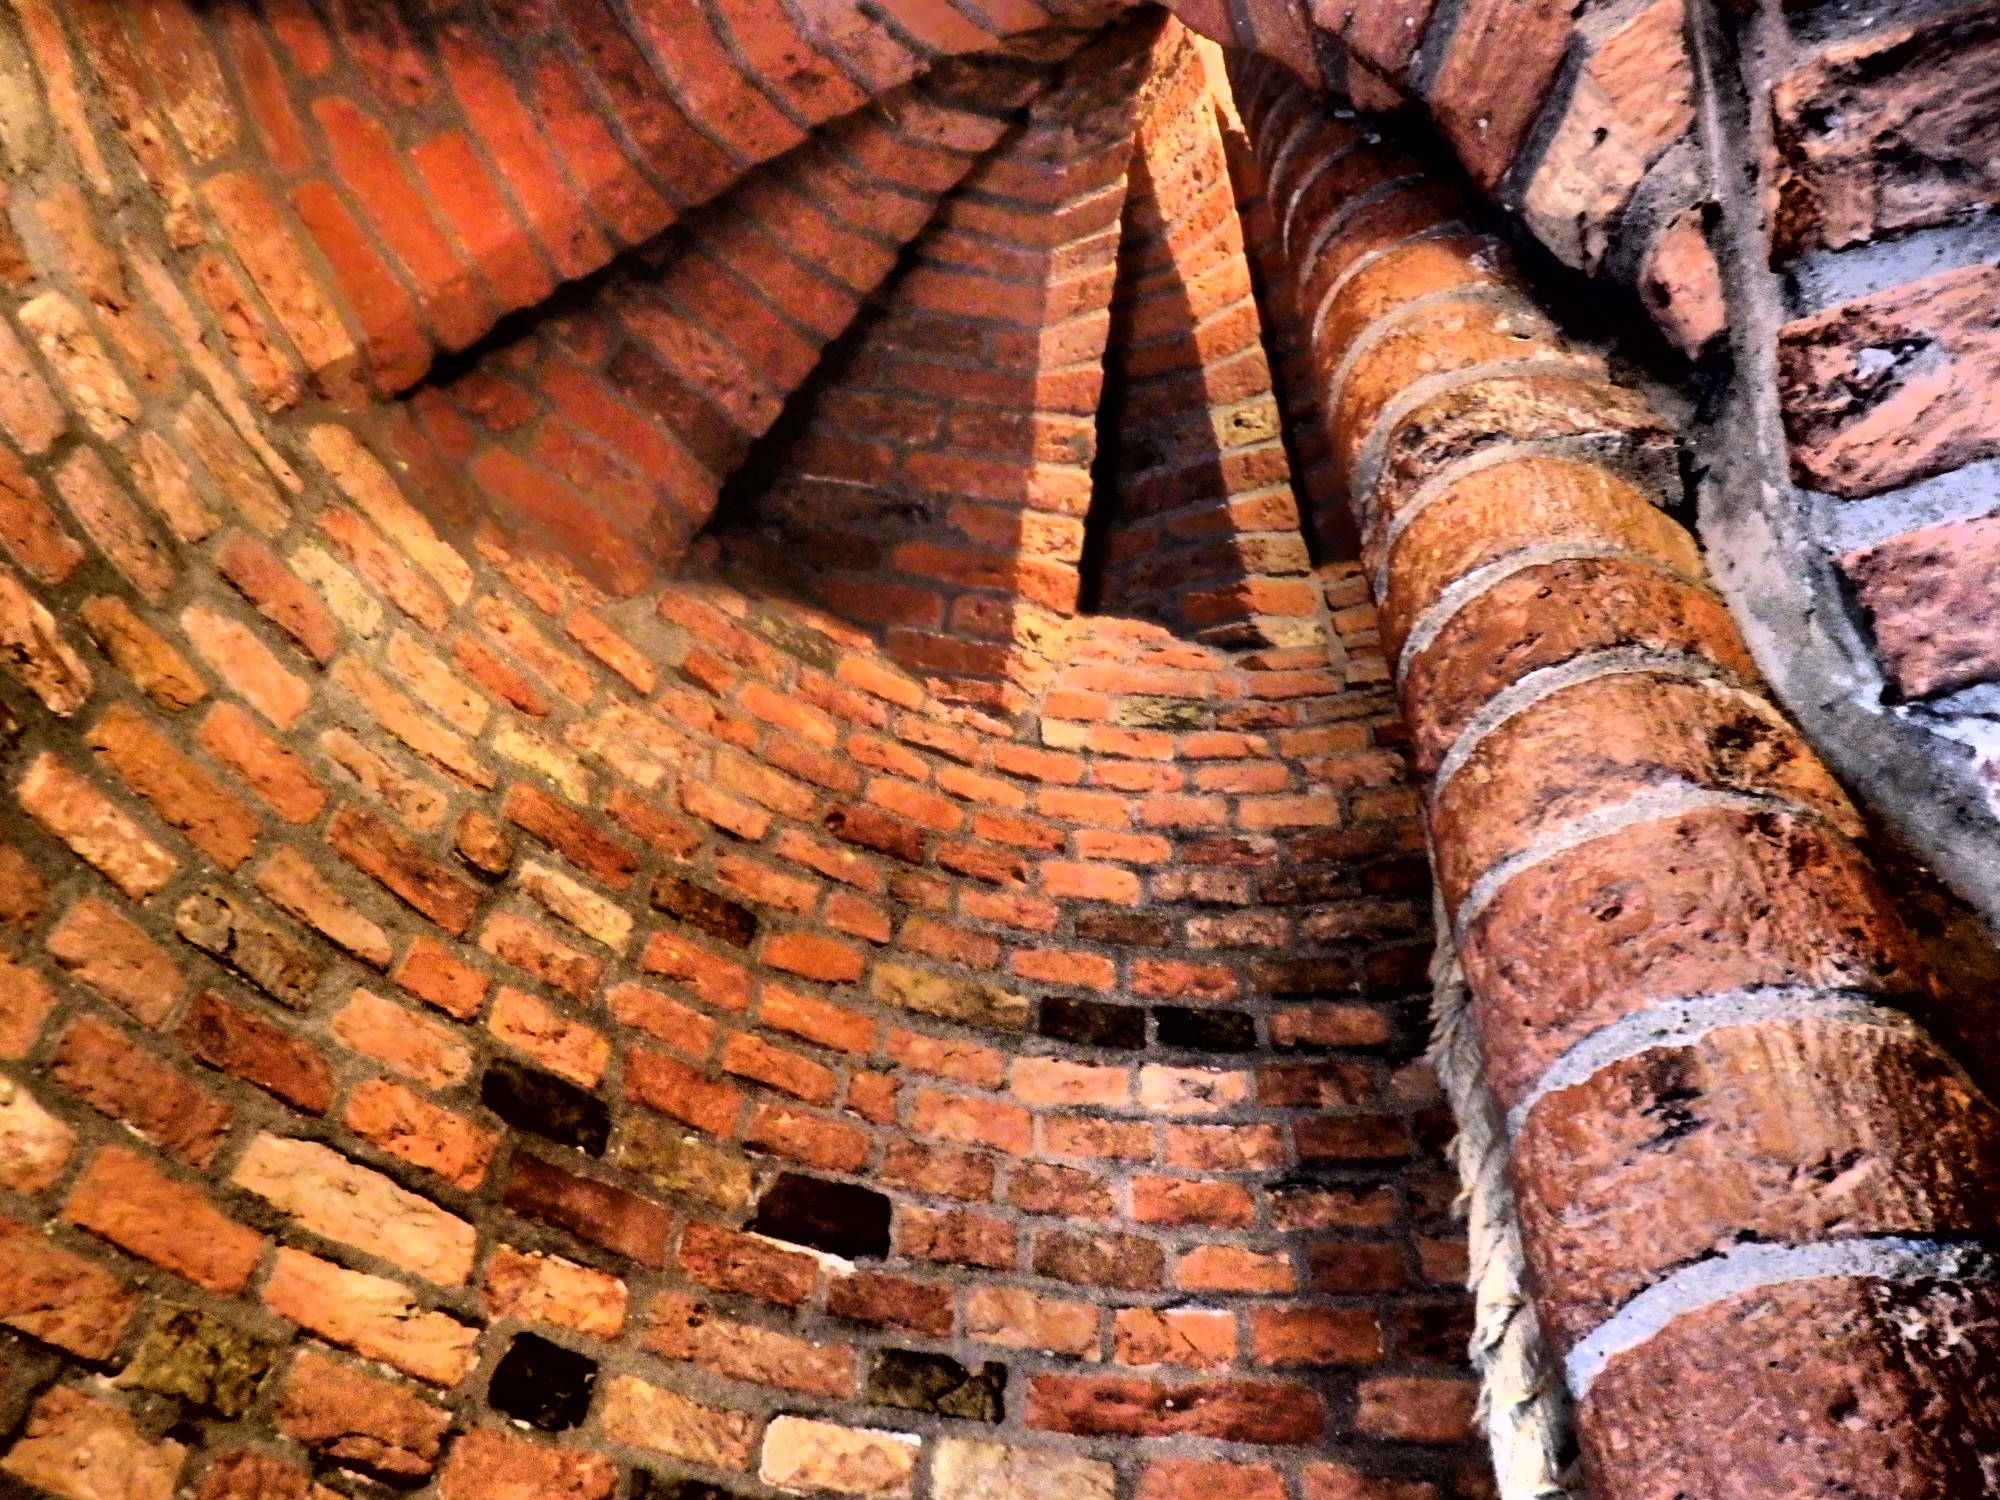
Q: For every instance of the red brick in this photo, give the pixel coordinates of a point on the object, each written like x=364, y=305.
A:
x=817, y=1142
x=1113, y=1406
x=533, y=951
x=405, y=1124
x=273, y=770
x=123, y=1198
x=246, y=664
x=111, y=1074
x=379, y=851
x=59, y=1297
x=604, y=1215
x=714, y=981
x=1200, y=1479
x=430, y=972
x=398, y=349
x=114, y=956
x=750, y=1057
x=245, y=1045
x=487, y=1464
x=1417, y=1409
x=956, y=1237
x=680, y=1026
x=281, y=272
x=184, y=796
x=571, y=241
x=351, y=1416
x=676, y=1090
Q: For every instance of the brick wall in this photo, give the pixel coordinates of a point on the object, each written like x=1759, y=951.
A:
x=500, y=994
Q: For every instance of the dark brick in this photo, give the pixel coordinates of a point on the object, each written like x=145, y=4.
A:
x=936, y=1382
x=1092, y=1023
x=1194, y=1029
x=551, y=1107
x=1124, y=929
x=542, y=1384
x=721, y=919
x=840, y=1218
x=878, y=831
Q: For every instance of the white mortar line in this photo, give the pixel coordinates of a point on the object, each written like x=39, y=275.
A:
x=1654, y=806
x=1684, y=1021
x=1313, y=174
x=1748, y=1268
x=1468, y=587
x=1545, y=682
x=1368, y=461
x=1491, y=293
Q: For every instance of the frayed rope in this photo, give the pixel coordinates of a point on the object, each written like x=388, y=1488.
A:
x=1523, y=1404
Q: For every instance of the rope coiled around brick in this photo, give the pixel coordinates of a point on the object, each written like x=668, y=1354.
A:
x=1524, y=1406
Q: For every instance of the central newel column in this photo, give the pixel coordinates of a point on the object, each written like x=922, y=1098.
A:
x=1754, y=1195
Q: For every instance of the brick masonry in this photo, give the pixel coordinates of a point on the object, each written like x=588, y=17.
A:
x=505, y=997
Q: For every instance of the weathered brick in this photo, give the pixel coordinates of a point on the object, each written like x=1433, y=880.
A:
x=81, y=816
x=650, y=1416
x=379, y=851
x=805, y=1456
x=353, y=1417
x=245, y=1045
x=541, y=1288
x=125, y=1199
x=329, y=1195
x=59, y=1297
x=486, y=1464
x=374, y=1317
x=82, y=1448
x=424, y=1051
x=142, y=653
x=114, y=956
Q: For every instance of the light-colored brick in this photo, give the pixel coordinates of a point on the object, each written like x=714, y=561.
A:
x=804, y=1457
x=375, y=1317
x=342, y=1200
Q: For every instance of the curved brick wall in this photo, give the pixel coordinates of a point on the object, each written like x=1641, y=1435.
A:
x=1751, y=1191
x=499, y=995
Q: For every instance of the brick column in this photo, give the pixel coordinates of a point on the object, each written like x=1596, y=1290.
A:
x=1753, y=1194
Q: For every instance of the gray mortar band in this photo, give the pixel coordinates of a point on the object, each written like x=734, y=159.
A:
x=1685, y=1021
x=1469, y=587
x=1333, y=224
x=1433, y=488
x=1341, y=283
x=1308, y=120
x=1313, y=174
x=1495, y=294
x=1545, y=682
x=1654, y=806
x=1368, y=461
x=1749, y=1268
x=1426, y=494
